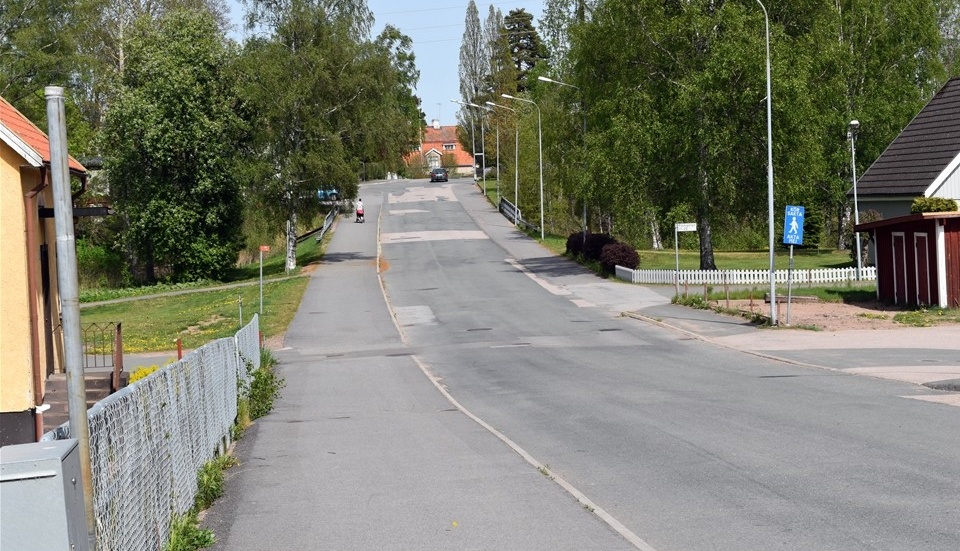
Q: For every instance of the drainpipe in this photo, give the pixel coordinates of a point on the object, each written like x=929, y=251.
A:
x=33, y=270
x=69, y=295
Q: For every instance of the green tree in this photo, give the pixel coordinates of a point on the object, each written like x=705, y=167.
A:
x=473, y=74
x=526, y=48
x=171, y=141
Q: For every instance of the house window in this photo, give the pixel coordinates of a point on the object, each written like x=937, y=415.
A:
x=448, y=147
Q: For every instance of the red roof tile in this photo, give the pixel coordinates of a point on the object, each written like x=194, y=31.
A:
x=25, y=138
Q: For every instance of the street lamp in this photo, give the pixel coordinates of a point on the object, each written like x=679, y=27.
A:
x=473, y=144
x=540, y=147
x=516, y=161
x=852, y=129
x=583, y=109
x=483, y=145
x=773, y=287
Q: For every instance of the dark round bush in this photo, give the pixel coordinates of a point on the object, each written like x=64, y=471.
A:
x=618, y=254
x=575, y=243
x=594, y=245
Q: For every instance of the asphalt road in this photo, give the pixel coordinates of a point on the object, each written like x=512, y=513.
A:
x=677, y=443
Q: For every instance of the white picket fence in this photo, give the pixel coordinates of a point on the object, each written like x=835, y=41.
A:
x=742, y=277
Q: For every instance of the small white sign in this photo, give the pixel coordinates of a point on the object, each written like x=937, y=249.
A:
x=688, y=226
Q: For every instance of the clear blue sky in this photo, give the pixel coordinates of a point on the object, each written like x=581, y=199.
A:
x=436, y=27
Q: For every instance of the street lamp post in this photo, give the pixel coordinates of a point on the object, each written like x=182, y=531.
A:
x=473, y=144
x=773, y=287
x=483, y=144
x=583, y=109
x=516, y=161
x=852, y=136
x=540, y=151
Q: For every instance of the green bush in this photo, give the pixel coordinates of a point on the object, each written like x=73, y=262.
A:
x=186, y=534
x=932, y=204
x=99, y=267
x=618, y=254
x=264, y=386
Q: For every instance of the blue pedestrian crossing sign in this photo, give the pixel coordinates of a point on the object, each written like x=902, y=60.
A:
x=793, y=226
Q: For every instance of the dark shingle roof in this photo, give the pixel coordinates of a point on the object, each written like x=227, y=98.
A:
x=922, y=150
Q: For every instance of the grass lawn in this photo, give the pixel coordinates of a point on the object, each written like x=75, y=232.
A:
x=154, y=324
x=803, y=259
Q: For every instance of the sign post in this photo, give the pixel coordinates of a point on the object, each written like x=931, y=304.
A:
x=263, y=249
x=792, y=235
x=677, y=229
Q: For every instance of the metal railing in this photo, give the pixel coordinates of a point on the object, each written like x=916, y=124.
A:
x=148, y=440
x=103, y=348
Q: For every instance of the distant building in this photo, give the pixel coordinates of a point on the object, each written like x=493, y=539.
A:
x=439, y=144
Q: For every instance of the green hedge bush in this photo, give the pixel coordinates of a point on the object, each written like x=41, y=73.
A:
x=932, y=204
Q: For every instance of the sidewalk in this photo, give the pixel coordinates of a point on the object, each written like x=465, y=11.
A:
x=920, y=355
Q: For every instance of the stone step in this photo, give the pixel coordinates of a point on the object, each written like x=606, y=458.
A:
x=97, y=384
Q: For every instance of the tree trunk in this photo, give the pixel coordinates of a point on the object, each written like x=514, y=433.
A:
x=655, y=234
x=291, y=243
x=843, y=217
x=707, y=261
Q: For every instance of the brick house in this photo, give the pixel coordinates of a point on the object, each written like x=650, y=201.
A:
x=437, y=142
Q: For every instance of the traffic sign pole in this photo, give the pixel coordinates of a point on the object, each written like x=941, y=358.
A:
x=792, y=235
x=677, y=228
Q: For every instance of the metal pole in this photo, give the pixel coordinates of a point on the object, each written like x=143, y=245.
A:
x=852, y=133
x=789, y=283
x=516, y=173
x=68, y=282
x=498, y=163
x=676, y=250
x=516, y=162
x=773, y=285
x=483, y=159
x=583, y=109
x=261, y=282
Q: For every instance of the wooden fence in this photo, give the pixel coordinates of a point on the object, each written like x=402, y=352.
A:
x=743, y=277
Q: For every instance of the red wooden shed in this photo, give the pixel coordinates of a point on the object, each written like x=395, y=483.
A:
x=918, y=259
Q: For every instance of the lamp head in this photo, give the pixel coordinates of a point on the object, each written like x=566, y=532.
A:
x=854, y=125
x=508, y=96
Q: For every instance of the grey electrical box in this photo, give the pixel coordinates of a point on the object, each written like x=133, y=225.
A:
x=41, y=496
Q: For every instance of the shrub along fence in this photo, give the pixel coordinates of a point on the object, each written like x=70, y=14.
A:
x=148, y=440
x=743, y=277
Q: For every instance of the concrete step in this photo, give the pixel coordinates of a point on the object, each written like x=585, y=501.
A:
x=97, y=384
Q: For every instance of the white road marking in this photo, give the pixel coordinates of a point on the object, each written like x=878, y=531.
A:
x=417, y=236
x=418, y=194
x=401, y=212
x=946, y=399
x=554, y=289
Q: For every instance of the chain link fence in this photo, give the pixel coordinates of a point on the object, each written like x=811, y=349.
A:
x=148, y=440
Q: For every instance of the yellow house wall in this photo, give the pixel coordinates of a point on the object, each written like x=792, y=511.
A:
x=16, y=374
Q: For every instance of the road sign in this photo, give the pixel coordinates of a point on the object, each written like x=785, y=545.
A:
x=793, y=225
x=685, y=226
x=264, y=248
